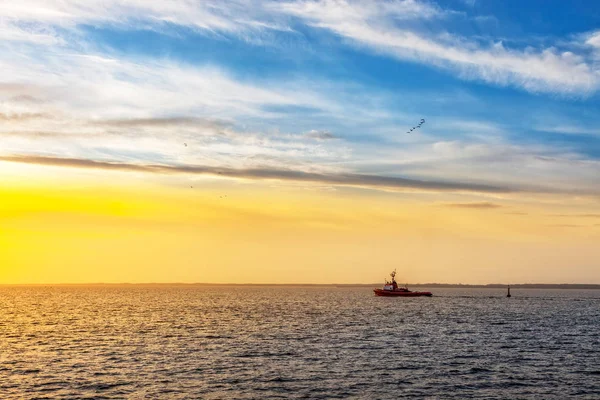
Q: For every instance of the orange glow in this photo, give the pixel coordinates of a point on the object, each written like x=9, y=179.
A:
x=264, y=232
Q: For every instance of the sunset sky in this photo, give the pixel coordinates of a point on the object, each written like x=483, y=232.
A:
x=270, y=141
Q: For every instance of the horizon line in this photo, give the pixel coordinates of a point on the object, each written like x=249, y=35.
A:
x=442, y=285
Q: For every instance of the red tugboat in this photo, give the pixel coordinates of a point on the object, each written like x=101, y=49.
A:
x=392, y=289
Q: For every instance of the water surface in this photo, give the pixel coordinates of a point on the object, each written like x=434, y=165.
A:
x=212, y=342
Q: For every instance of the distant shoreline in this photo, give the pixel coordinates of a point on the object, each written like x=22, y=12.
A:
x=341, y=285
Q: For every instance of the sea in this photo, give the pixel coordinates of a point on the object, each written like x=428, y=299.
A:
x=279, y=342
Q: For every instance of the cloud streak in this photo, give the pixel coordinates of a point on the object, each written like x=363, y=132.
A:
x=374, y=26
x=393, y=28
x=163, y=122
x=343, y=179
x=111, y=87
x=570, y=130
x=480, y=205
x=20, y=117
x=85, y=100
x=320, y=135
x=30, y=16
x=576, y=215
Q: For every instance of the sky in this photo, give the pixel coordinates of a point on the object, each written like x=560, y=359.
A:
x=281, y=141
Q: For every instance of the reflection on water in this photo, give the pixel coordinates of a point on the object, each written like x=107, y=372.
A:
x=291, y=342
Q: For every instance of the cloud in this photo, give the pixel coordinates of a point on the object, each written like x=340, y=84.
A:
x=88, y=105
x=70, y=98
x=480, y=205
x=112, y=87
x=235, y=16
x=352, y=12
x=215, y=143
x=19, y=117
x=567, y=226
x=163, y=122
x=570, y=130
x=498, y=162
x=320, y=135
x=390, y=27
x=35, y=135
x=79, y=133
x=375, y=26
x=576, y=215
x=342, y=179
x=32, y=33
x=593, y=39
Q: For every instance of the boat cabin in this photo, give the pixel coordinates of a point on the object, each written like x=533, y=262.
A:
x=391, y=285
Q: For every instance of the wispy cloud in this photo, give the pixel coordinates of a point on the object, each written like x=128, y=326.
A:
x=568, y=226
x=117, y=87
x=497, y=161
x=387, y=27
x=577, y=215
x=13, y=30
x=480, y=205
x=70, y=98
x=343, y=179
x=593, y=39
x=178, y=140
x=234, y=16
x=570, y=130
x=160, y=122
x=320, y=135
x=19, y=117
x=375, y=26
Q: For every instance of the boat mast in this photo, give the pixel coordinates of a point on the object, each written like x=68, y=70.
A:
x=393, y=275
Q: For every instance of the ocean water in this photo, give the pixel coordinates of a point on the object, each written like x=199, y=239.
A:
x=203, y=342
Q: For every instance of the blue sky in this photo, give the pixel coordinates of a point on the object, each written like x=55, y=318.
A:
x=509, y=90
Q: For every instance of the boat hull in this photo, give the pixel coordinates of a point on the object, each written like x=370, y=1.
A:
x=397, y=293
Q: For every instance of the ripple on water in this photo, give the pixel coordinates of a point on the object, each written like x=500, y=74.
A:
x=285, y=342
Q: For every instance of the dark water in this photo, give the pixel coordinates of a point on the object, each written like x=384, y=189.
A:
x=277, y=342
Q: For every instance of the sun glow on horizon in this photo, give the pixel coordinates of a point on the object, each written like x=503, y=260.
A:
x=120, y=229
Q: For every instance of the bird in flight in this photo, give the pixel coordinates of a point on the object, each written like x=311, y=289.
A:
x=417, y=126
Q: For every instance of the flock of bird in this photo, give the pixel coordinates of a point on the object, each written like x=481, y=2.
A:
x=416, y=127
x=409, y=131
